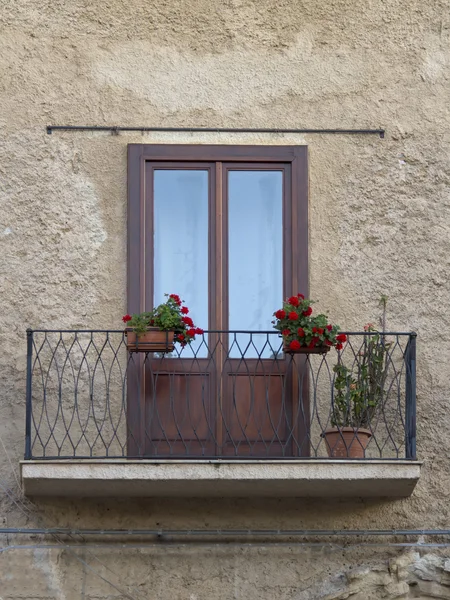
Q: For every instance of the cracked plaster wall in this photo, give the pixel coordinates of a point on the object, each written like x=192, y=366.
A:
x=379, y=211
x=219, y=572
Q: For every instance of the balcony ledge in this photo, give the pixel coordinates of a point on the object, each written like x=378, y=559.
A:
x=218, y=478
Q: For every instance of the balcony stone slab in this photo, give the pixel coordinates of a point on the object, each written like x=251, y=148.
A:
x=220, y=478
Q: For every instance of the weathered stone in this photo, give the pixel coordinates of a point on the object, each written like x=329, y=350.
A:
x=428, y=568
x=431, y=589
x=417, y=577
x=397, y=590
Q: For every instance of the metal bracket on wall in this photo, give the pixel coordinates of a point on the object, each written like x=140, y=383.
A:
x=114, y=130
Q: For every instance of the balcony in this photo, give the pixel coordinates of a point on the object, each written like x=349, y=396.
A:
x=232, y=416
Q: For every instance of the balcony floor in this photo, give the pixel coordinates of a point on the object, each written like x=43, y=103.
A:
x=219, y=478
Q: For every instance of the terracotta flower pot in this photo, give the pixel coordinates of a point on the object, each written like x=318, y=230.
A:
x=346, y=442
x=154, y=340
x=306, y=350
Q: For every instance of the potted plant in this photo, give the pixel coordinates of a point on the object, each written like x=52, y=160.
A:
x=159, y=329
x=304, y=333
x=358, y=395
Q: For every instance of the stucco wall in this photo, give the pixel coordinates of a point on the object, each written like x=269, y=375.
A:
x=379, y=209
x=217, y=572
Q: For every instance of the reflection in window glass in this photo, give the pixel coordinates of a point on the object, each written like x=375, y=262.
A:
x=255, y=247
x=181, y=242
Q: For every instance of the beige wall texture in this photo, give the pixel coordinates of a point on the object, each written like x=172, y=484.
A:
x=379, y=223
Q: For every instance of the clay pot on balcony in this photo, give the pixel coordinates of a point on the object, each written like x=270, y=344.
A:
x=346, y=442
x=306, y=350
x=154, y=340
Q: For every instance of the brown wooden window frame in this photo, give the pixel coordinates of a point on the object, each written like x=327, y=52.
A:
x=142, y=160
x=140, y=156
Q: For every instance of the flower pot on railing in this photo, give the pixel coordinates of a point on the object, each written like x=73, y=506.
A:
x=153, y=340
x=346, y=442
x=159, y=329
x=287, y=349
x=304, y=333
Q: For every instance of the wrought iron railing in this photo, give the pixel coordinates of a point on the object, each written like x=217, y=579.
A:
x=231, y=395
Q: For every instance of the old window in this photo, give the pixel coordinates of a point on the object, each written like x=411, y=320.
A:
x=217, y=224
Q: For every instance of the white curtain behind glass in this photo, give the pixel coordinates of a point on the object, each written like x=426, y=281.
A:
x=255, y=275
x=181, y=240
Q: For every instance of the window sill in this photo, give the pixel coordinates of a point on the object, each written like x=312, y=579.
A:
x=207, y=478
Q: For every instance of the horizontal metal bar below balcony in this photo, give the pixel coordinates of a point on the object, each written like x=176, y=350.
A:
x=197, y=478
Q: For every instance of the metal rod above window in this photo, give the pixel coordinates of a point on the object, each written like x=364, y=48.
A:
x=116, y=129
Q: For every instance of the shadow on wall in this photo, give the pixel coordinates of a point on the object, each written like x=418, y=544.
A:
x=231, y=513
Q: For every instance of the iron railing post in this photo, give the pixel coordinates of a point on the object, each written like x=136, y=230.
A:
x=410, y=412
x=28, y=395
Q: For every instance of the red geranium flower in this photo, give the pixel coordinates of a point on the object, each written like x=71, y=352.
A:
x=191, y=332
x=293, y=301
x=339, y=346
x=320, y=331
x=300, y=332
x=280, y=314
x=293, y=316
x=180, y=336
x=126, y=318
x=199, y=331
x=328, y=343
x=301, y=296
x=314, y=329
x=295, y=345
x=341, y=337
x=189, y=322
x=184, y=310
x=285, y=332
x=307, y=312
x=176, y=298
x=329, y=327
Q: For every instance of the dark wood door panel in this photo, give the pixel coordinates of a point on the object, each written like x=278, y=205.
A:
x=257, y=410
x=180, y=414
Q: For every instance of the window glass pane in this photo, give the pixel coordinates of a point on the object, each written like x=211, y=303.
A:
x=255, y=246
x=181, y=243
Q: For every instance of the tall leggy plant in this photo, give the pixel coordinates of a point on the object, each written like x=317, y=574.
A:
x=359, y=390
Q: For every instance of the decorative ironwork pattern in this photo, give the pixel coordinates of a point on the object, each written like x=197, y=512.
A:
x=235, y=395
